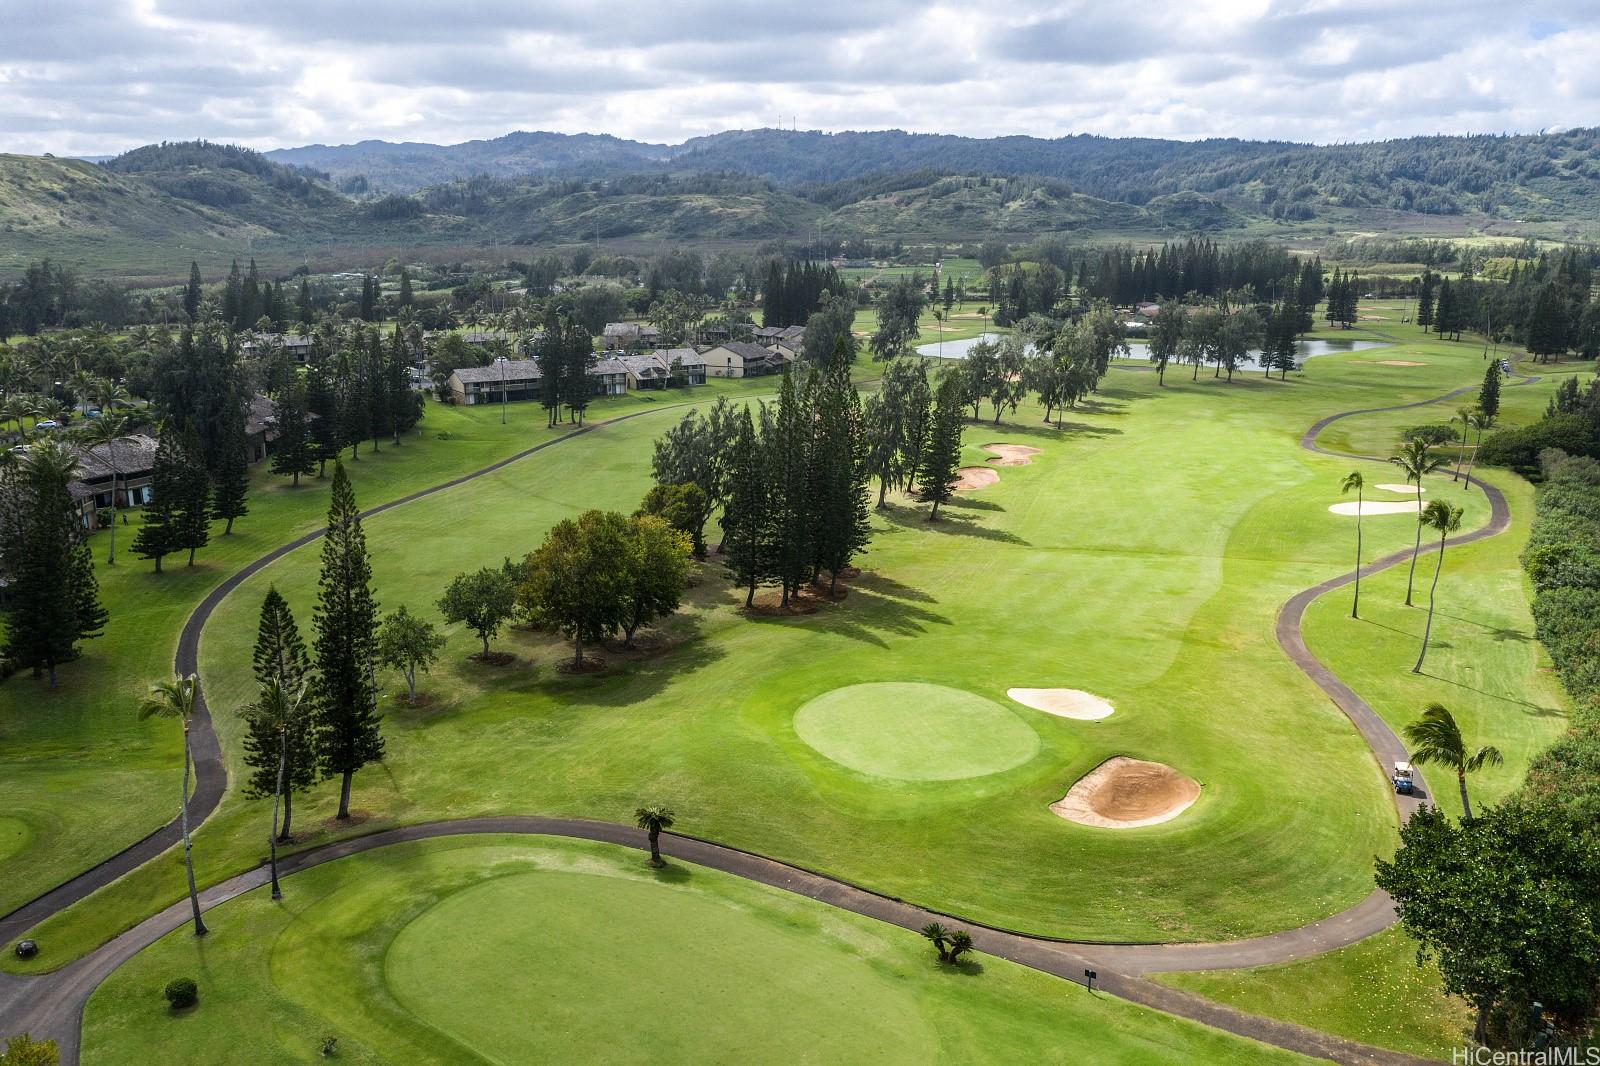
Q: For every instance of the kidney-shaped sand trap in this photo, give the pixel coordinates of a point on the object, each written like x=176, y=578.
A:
x=1398, y=362
x=1367, y=507
x=1408, y=489
x=1011, y=454
x=1063, y=702
x=1123, y=793
x=974, y=477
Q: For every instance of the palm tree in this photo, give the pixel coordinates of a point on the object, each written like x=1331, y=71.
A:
x=1354, y=480
x=939, y=936
x=1436, y=738
x=108, y=394
x=653, y=819
x=1446, y=519
x=104, y=432
x=177, y=699
x=1416, y=458
x=280, y=706
x=1463, y=415
x=1480, y=422
x=81, y=383
x=15, y=409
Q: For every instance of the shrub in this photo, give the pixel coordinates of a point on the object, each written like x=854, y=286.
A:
x=1520, y=449
x=1434, y=435
x=181, y=992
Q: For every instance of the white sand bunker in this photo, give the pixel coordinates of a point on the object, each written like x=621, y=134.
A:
x=1123, y=793
x=1410, y=490
x=1011, y=454
x=974, y=477
x=1398, y=362
x=1367, y=507
x=1063, y=702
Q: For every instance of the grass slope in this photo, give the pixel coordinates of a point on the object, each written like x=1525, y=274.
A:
x=580, y=952
x=80, y=774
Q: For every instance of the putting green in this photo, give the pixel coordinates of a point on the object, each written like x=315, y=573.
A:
x=14, y=836
x=721, y=973
x=496, y=949
x=915, y=732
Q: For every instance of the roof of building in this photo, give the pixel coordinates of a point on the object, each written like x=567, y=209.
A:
x=284, y=340
x=515, y=370
x=686, y=356
x=126, y=455
x=748, y=351
x=637, y=329
x=261, y=416
x=610, y=365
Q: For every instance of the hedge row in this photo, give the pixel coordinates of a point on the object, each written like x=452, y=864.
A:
x=1563, y=562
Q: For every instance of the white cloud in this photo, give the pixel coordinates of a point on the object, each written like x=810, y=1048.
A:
x=98, y=76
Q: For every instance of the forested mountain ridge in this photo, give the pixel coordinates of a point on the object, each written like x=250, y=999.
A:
x=138, y=213
x=1531, y=176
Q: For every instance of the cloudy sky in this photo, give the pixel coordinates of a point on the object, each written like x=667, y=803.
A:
x=99, y=76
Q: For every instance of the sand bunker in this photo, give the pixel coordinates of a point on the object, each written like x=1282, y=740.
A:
x=1011, y=454
x=1408, y=489
x=974, y=477
x=1367, y=507
x=1398, y=362
x=1123, y=793
x=1063, y=702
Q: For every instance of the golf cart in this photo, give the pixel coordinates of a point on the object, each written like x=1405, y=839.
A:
x=1403, y=783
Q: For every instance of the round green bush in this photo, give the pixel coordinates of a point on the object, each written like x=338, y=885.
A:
x=181, y=992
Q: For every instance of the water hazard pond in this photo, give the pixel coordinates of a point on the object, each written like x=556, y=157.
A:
x=1139, y=350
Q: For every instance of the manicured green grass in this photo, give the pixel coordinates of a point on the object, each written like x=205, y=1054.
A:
x=1142, y=556
x=76, y=766
x=499, y=949
x=915, y=732
x=1372, y=991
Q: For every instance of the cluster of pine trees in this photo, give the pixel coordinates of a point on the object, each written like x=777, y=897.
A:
x=53, y=600
x=1344, y=290
x=796, y=503
x=913, y=432
x=1544, y=304
x=356, y=387
x=793, y=290
x=318, y=714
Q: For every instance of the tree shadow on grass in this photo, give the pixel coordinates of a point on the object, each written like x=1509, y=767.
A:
x=673, y=873
x=972, y=503
x=867, y=614
x=950, y=522
x=883, y=585
x=623, y=681
x=1049, y=431
x=1498, y=633
x=1533, y=709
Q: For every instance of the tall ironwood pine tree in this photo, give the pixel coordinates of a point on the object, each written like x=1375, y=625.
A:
x=943, y=452
x=745, y=521
x=841, y=523
x=350, y=387
x=324, y=425
x=178, y=514
x=380, y=418
x=403, y=411
x=191, y=295
x=790, y=473
x=1489, y=394
x=53, y=600
x=280, y=659
x=348, y=726
x=296, y=451
x=230, y=484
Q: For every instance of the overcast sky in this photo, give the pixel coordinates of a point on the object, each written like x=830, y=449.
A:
x=85, y=77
